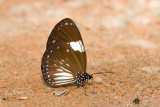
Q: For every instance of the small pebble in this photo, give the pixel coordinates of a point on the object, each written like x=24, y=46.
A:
x=98, y=80
x=22, y=98
x=136, y=101
x=107, y=85
x=4, y=98
x=129, y=105
x=1, y=64
x=59, y=93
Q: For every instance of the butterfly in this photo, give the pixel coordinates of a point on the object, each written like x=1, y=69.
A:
x=64, y=60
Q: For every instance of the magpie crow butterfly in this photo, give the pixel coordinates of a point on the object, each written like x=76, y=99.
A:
x=64, y=60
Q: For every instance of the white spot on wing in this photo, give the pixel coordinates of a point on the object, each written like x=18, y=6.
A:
x=70, y=80
x=77, y=46
x=62, y=78
x=67, y=50
x=53, y=41
x=65, y=83
x=71, y=23
x=64, y=74
x=65, y=69
x=66, y=23
x=59, y=70
x=60, y=62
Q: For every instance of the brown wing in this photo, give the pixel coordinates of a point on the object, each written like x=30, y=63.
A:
x=64, y=56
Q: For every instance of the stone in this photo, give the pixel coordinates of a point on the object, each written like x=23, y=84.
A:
x=22, y=98
x=107, y=85
x=98, y=80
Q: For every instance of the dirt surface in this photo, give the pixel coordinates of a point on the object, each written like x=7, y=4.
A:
x=121, y=36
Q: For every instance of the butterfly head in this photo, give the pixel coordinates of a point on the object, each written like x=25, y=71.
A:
x=90, y=77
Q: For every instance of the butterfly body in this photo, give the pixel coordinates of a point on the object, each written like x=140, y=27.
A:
x=83, y=78
x=64, y=60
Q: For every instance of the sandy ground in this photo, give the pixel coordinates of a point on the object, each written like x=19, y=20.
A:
x=120, y=36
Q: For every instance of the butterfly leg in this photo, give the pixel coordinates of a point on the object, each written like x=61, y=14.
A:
x=93, y=86
x=85, y=89
x=69, y=90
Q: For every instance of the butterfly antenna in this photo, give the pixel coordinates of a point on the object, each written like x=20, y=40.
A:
x=93, y=86
x=85, y=89
x=103, y=73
